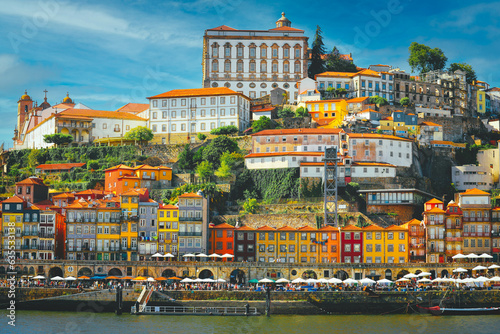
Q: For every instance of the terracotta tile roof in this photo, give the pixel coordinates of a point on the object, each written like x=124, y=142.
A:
x=120, y=166
x=358, y=99
x=279, y=154
x=63, y=195
x=286, y=228
x=474, y=191
x=373, y=227
x=286, y=29
x=321, y=164
x=223, y=226
x=337, y=74
x=135, y=192
x=222, y=27
x=134, y=108
x=266, y=228
x=376, y=136
x=168, y=207
x=388, y=118
x=301, y=131
x=414, y=221
x=351, y=228
x=31, y=180
x=92, y=191
x=434, y=201
x=435, y=210
x=265, y=109
x=429, y=124
x=197, y=92
x=99, y=114
x=60, y=166
x=328, y=228
x=306, y=229
x=190, y=195
x=396, y=228
x=245, y=228
x=14, y=199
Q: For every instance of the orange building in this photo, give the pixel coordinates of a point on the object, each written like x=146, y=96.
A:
x=329, y=249
x=416, y=241
x=121, y=178
x=221, y=239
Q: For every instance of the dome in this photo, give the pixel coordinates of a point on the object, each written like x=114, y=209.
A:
x=26, y=97
x=67, y=99
x=283, y=21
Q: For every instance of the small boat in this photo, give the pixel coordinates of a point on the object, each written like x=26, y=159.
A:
x=437, y=310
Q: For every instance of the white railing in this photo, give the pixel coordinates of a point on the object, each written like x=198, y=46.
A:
x=199, y=310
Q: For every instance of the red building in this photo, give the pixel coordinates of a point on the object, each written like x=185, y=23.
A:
x=91, y=194
x=244, y=244
x=351, y=244
x=221, y=239
x=32, y=190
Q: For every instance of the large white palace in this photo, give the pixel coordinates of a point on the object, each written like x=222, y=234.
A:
x=254, y=62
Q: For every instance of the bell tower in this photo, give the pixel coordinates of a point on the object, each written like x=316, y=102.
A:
x=24, y=105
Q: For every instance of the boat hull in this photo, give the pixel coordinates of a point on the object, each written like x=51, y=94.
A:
x=436, y=310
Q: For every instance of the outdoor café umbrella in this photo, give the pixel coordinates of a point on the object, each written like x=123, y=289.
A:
x=384, y=281
x=495, y=279
x=460, y=270
x=322, y=280
x=112, y=277
x=209, y=280
x=150, y=279
x=479, y=268
x=39, y=277
x=227, y=255
x=201, y=255
x=298, y=280
x=311, y=280
x=266, y=280
x=221, y=280
x=366, y=280
x=215, y=255
x=423, y=274
x=472, y=256
x=85, y=277
x=161, y=278
x=70, y=278
x=175, y=278
x=493, y=266
x=403, y=280
x=187, y=280
x=139, y=278
x=410, y=275
x=127, y=277
x=334, y=280
x=350, y=281
x=458, y=256
x=481, y=279
x=424, y=280
x=485, y=256
x=57, y=278
x=198, y=280
x=168, y=255
x=188, y=255
x=253, y=281
x=282, y=280
x=157, y=255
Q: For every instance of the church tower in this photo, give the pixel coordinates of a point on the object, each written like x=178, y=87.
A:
x=283, y=21
x=24, y=106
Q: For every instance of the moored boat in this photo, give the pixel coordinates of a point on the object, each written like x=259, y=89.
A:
x=437, y=310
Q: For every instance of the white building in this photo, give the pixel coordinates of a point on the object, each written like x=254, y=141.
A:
x=472, y=176
x=423, y=112
x=253, y=62
x=490, y=158
x=357, y=170
x=308, y=91
x=280, y=159
x=181, y=113
x=429, y=132
x=371, y=147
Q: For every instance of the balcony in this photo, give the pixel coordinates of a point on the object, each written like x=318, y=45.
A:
x=46, y=235
x=435, y=249
x=495, y=234
x=417, y=233
x=134, y=218
x=48, y=247
x=190, y=234
x=190, y=219
x=417, y=258
x=453, y=239
x=30, y=233
x=495, y=219
x=417, y=245
x=476, y=234
x=435, y=237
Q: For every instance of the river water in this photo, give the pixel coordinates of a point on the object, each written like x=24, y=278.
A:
x=67, y=322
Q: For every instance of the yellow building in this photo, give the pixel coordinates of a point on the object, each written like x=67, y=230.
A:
x=308, y=251
x=396, y=244
x=129, y=229
x=108, y=230
x=287, y=244
x=168, y=229
x=373, y=243
x=266, y=244
x=328, y=113
x=12, y=221
x=481, y=101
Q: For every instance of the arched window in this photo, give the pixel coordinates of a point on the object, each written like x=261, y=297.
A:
x=252, y=66
x=239, y=50
x=263, y=66
x=286, y=67
x=215, y=66
x=297, y=51
x=275, y=66
x=239, y=66
x=252, y=50
x=263, y=51
x=215, y=50
x=227, y=66
x=227, y=50
x=286, y=51
x=275, y=49
x=297, y=67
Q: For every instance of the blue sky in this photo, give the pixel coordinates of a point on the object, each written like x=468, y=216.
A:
x=109, y=53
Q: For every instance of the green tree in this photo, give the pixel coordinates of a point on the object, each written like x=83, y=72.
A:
x=470, y=74
x=58, y=138
x=213, y=152
x=424, y=59
x=285, y=112
x=335, y=63
x=92, y=164
x=224, y=170
x=34, y=158
x=225, y=130
x=205, y=170
x=198, y=156
x=318, y=50
x=301, y=112
x=262, y=123
x=404, y=102
x=185, y=159
x=141, y=134
x=201, y=136
x=379, y=101
x=250, y=205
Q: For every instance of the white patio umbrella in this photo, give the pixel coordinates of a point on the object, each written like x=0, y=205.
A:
x=423, y=274
x=437, y=280
x=384, y=281
x=460, y=270
x=410, y=275
x=458, y=256
x=198, y=280
x=39, y=277
x=209, y=280
x=493, y=266
x=485, y=256
x=70, y=278
x=468, y=280
x=57, y=278
x=424, y=280
x=322, y=280
x=495, y=279
x=215, y=255
x=188, y=255
x=481, y=279
x=201, y=255
x=266, y=280
x=221, y=280
x=187, y=280
x=227, y=255
x=168, y=255
x=367, y=280
x=157, y=255
x=299, y=280
x=479, y=268
x=282, y=280
x=311, y=280
x=334, y=280
x=151, y=279
x=472, y=256
x=403, y=279
x=350, y=281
